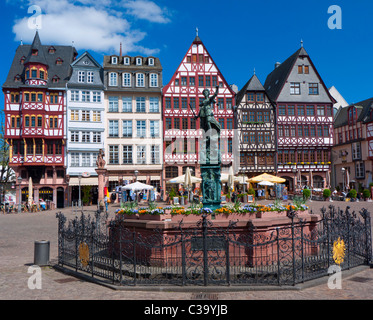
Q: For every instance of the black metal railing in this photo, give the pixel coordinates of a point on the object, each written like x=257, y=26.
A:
x=207, y=254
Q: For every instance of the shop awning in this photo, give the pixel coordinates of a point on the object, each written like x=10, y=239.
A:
x=91, y=181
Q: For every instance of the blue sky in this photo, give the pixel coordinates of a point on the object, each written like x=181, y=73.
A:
x=239, y=34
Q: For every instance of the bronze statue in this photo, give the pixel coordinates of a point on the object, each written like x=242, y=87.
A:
x=206, y=112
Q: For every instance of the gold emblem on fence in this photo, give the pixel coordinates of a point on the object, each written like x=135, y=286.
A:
x=339, y=249
x=84, y=254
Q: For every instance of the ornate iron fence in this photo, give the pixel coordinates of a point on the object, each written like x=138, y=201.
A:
x=207, y=254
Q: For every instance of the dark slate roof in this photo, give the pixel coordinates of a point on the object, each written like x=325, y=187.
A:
x=276, y=79
x=144, y=66
x=363, y=113
x=63, y=71
x=253, y=84
x=36, y=45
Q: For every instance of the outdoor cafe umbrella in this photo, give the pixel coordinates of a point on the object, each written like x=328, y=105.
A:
x=138, y=186
x=230, y=181
x=30, y=191
x=181, y=179
x=188, y=181
x=266, y=184
x=267, y=177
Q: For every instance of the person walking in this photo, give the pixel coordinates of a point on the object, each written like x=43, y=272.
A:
x=106, y=203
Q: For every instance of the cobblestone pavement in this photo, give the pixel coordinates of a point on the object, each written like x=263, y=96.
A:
x=18, y=232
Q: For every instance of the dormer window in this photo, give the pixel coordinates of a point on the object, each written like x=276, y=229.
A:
x=34, y=52
x=126, y=61
x=59, y=61
x=151, y=61
x=352, y=115
x=114, y=60
x=17, y=78
x=138, y=61
x=51, y=50
x=55, y=79
x=23, y=60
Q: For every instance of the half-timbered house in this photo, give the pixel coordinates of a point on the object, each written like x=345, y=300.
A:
x=304, y=109
x=181, y=97
x=35, y=109
x=255, y=120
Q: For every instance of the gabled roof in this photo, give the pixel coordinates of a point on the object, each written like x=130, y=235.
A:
x=253, y=84
x=86, y=54
x=36, y=45
x=363, y=112
x=277, y=78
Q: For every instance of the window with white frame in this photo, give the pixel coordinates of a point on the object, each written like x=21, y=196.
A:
x=96, y=137
x=356, y=151
x=86, y=136
x=126, y=104
x=96, y=96
x=153, y=104
x=155, y=155
x=154, y=128
x=138, y=61
x=86, y=159
x=154, y=80
x=114, y=60
x=360, y=170
x=113, y=128
x=140, y=80
x=126, y=61
x=81, y=76
x=127, y=154
x=140, y=104
x=113, y=104
x=294, y=88
x=74, y=136
x=113, y=154
x=86, y=115
x=74, y=95
x=113, y=79
x=94, y=158
x=141, y=128
x=126, y=79
x=74, y=115
x=96, y=116
x=74, y=162
x=151, y=62
x=86, y=96
x=127, y=128
x=141, y=154
x=90, y=77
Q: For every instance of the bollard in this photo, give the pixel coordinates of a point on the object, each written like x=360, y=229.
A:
x=41, y=252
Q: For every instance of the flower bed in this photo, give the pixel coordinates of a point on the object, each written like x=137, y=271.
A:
x=178, y=213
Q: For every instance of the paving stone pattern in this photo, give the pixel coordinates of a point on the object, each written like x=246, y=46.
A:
x=18, y=232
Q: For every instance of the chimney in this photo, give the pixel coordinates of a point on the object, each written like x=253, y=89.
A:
x=120, y=50
x=277, y=65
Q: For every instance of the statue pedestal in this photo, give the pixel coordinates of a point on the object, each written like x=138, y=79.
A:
x=211, y=188
x=101, y=183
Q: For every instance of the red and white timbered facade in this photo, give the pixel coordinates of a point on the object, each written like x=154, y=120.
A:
x=304, y=110
x=34, y=109
x=181, y=97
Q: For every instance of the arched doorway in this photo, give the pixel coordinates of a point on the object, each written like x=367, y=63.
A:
x=318, y=182
x=46, y=194
x=289, y=183
x=60, y=197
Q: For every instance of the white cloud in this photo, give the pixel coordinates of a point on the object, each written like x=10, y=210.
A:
x=147, y=10
x=91, y=25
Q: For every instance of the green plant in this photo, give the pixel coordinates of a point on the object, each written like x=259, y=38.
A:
x=172, y=194
x=306, y=194
x=366, y=193
x=297, y=201
x=352, y=193
x=86, y=194
x=326, y=193
x=251, y=191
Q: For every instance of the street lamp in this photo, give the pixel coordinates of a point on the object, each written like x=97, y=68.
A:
x=343, y=178
x=136, y=173
x=19, y=179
